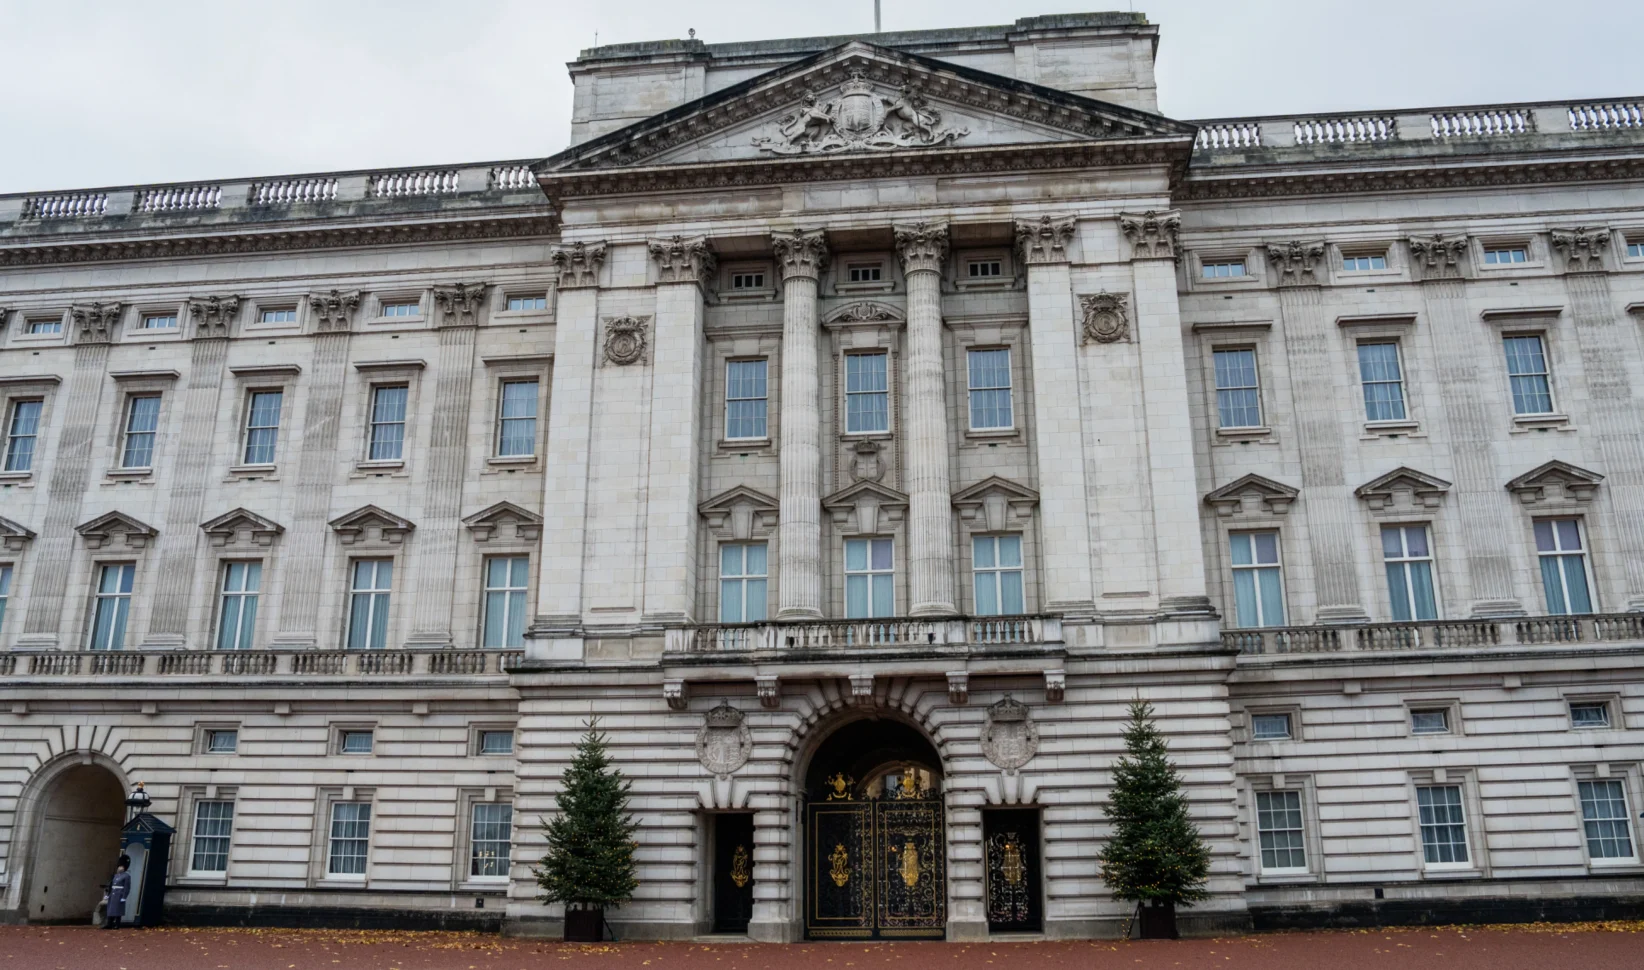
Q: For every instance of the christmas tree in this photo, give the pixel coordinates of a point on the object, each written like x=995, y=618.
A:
x=1155, y=855
x=590, y=860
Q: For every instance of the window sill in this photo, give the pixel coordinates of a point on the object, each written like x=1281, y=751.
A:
x=875, y=286
x=483, y=884
x=37, y=338
x=353, y=882
x=1525, y=422
x=1282, y=878
x=380, y=466
x=1244, y=434
x=12, y=478
x=993, y=432
x=733, y=296
x=866, y=436
x=987, y=283
x=1460, y=872
x=511, y=460
x=743, y=444
x=130, y=474
x=253, y=471
x=203, y=879
x=1377, y=428
x=1608, y=866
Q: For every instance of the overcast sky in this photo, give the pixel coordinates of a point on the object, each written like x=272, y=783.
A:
x=116, y=92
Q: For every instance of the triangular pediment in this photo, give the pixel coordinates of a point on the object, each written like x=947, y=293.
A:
x=229, y=526
x=14, y=535
x=1252, y=493
x=504, y=520
x=740, y=512
x=369, y=523
x=1553, y=481
x=104, y=529
x=866, y=507
x=1383, y=491
x=995, y=504
x=861, y=100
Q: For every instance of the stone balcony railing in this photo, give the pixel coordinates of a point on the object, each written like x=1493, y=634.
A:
x=1430, y=125
x=889, y=632
x=230, y=664
x=1480, y=634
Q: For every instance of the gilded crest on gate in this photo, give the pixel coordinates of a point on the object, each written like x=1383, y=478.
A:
x=841, y=871
x=739, y=866
x=840, y=785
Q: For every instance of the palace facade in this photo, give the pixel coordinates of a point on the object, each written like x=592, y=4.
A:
x=854, y=426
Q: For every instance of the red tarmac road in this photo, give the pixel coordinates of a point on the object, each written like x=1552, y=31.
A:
x=1607, y=946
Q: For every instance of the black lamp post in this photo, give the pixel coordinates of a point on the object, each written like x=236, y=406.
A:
x=137, y=802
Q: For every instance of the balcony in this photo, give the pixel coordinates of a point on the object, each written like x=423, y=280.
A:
x=1428, y=635
x=356, y=665
x=974, y=631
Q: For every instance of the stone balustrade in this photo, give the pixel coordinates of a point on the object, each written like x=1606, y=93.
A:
x=214, y=664
x=178, y=198
x=1477, y=634
x=1420, y=125
x=292, y=191
x=847, y=634
x=400, y=185
x=65, y=205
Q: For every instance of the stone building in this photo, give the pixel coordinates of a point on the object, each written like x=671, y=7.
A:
x=854, y=425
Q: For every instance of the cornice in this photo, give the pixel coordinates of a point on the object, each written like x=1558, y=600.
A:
x=1412, y=175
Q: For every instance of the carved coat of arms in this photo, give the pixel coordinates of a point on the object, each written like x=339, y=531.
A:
x=1105, y=318
x=1009, y=739
x=859, y=119
x=724, y=743
x=625, y=340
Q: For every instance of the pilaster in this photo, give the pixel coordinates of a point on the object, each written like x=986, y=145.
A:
x=801, y=257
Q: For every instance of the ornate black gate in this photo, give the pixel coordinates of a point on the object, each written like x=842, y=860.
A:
x=733, y=872
x=1010, y=851
x=877, y=866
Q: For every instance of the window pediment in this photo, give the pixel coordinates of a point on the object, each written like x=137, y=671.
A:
x=103, y=530
x=504, y=520
x=865, y=313
x=866, y=508
x=1555, y=481
x=13, y=535
x=995, y=504
x=740, y=512
x=226, y=529
x=1251, y=494
x=1403, y=486
x=371, y=524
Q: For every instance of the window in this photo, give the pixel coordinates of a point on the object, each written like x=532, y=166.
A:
x=1527, y=372
x=158, y=321
x=864, y=272
x=1270, y=727
x=1604, y=816
x=1563, y=566
x=350, y=837
x=870, y=576
x=22, y=429
x=387, y=422
x=990, y=389
x=867, y=393
x=1589, y=714
x=506, y=579
x=112, y=605
x=1443, y=825
x=402, y=308
x=745, y=399
x=517, y=420
x=996, y=562
x=1503, y=255
x=492, y=834
x=496, y=742
x=528, y=301
x=5, y=592
x=1238, y=397
x=980, y=269
x=237, y=616
x=278, y=315
x=1430, y=720
x=1409, y=561
x=262, y=426
x=1354, y=264
x=1279, y=829
x=1383, y=382
x=45, y=325
x=1225, y=269
x=742, y=582
x=142, y=421
x=747, y=281
x=213, y=827
x=368, y=604
x=1257, y=588
x=355, y=742
x=1635, y=249
x=222, y=742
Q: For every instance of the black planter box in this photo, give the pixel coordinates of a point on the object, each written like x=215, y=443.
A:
x=584, y=925
x=1159, y=920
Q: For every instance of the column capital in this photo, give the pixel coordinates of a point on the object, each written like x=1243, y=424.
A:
x=800, y=253
x=578, y=264
x=1438, y=256
x=1294, y=262
x=459, y=303
x=1152, y=234
x=922, y=247
x=1583, y=248
x=1044, y=240
x=682, y=260
x=333, y=311
x=213, y=315
x=95, y=322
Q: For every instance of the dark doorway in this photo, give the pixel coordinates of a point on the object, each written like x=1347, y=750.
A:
x=733, y=872
x=76, y=845
x=1010, y=850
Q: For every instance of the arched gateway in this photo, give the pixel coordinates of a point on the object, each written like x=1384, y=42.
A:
x=875, y=836
x=72, y=818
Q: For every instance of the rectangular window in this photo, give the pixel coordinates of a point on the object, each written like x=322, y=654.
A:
x=368, y=604
x=278, y=315
x=1225, y=269
x=356, y=742
x=1354, y=264
x=870, y=578
x=864, y=272
x=747, y=281
x=745, y=399
x=996, y=563
x=1563, y=566
x=5, y=592
x=1279, y=827
x=980, y=269
x=402, y=309
x=1432, y=720
x=222, y=742
x=1238, y=396
x=388, y=422
x=1527, y=372
x=1383, y=382
x=43, y=325
x=1589, y=715
x=1408, y=558
x=1635, y=249
x=112, y=605
x=527, y=301
x=496, y=742
x=492, y=834
x=517, y=420
x=506, y=582
x=350, y=837
x=237, y=615
x=1443, y=825
x=1270, y=727
x=158, y=321
x=867, y=393
x=213, y=827
x=742, y=582
x=1606, y=820
x=1504, y=255
x=1258, y=590
x=22, y=430
x=142, y=423
x=990, y=389
x=262, y=426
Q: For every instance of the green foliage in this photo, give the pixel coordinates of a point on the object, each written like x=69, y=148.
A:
x=1156, y=852
x=590, y=860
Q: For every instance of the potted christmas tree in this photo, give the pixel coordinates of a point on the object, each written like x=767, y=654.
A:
x=1155, y=857
x=590, y=860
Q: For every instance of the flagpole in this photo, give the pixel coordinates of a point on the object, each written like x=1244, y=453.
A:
x=876, y=16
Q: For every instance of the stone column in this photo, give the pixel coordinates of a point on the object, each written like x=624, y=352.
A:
x=800, y=256
x=1058, y=422
x=923, y=248
x=671, y=519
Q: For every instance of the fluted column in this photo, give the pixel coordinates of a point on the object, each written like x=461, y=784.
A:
x=800, y=256
x=923, y=248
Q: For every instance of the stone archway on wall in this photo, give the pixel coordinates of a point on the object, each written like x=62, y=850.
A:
x=71, y=816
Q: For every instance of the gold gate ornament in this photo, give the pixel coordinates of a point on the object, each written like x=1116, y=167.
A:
x=739, y=867
x=841, y=860
x=910, y=864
